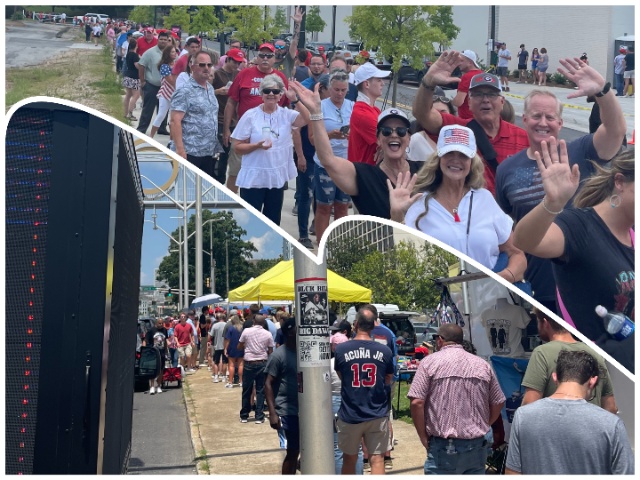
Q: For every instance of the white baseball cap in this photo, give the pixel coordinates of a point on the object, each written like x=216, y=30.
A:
x=367, y=71
x=456, y=138
x=471, y=55
x=393, y=113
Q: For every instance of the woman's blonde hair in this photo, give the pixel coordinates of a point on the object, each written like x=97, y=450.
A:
x=430, y=178
x=601, y=185
x=236, y=322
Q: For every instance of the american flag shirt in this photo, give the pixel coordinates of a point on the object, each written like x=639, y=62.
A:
x=458, y=389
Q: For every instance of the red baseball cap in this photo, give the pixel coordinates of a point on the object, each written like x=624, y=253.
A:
x=321, y=48
x=236, y=54
x=268, y=46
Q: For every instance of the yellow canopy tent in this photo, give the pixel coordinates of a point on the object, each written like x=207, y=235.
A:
x=277, y=284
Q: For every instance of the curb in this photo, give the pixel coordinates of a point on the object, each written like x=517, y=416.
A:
x=194, y=427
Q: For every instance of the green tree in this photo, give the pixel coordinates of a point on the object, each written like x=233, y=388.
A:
x=315, y=23
x=264, y=264
x=178, y=15
x=404, y=275
x=443, y=19
x=343, y=255
x=280, y=20
x=205, y=20
x=240, y=251
x=397, y=33
x=253, y=24
x=141, y=14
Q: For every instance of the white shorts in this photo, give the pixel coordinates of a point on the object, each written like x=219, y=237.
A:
x=630, y=74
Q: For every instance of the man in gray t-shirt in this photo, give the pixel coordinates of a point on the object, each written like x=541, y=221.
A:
x=281, y=392
x=565, y=435
x=220, y=360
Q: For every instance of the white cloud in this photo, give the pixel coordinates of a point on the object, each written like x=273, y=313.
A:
x=269, y=245
x=143, y=278
x=242, y=216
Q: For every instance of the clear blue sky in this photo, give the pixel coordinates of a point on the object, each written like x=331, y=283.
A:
x=155, y=244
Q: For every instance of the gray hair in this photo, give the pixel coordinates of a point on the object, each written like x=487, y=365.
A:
x=272, y=81
x=543, y=93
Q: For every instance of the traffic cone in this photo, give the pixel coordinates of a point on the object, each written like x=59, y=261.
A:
x=633, y=139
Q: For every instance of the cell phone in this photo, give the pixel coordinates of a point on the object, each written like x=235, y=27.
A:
x=344, y=129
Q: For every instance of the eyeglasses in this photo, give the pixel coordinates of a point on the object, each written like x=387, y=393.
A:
x=483, y=95
x=386, y=131
x=339, y=75
x=269, y=91
x=435, y=336
x=266, y=55
x=203, y=65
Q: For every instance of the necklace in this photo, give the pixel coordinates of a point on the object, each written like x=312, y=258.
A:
x=569, y=395
x=390, y=171
x=449, y=206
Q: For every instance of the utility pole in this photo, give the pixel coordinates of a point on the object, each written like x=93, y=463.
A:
x=314, y=363
x=303, y=25
x=226, y=254
x=212, y=261
x=333, y=24
x=185, y=251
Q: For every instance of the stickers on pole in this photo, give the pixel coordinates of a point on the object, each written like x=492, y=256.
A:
x=312, y=306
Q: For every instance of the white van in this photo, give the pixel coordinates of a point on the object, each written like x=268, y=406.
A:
x=382, y=307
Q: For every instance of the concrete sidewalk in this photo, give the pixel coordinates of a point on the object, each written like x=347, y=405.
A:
x=233, y=448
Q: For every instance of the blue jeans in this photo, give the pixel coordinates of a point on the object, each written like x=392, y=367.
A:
x=268, y=201
x=468, y=457
x=253, y=372
x=619, y=83
x=337, y=453
x=304, y=194
x=173, y=354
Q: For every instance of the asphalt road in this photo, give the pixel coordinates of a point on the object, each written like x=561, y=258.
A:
x=33, y=43
x=161, y=439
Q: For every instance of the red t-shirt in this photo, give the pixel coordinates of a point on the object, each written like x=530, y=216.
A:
x=363, y=141
x=183, y=334
x=510, y=140
x=245, y=89
x=180, y=65
x=143, y=46
x=463, y=86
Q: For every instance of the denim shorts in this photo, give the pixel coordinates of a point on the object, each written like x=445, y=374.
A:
x=325, y=190
x=503, y=71
x=291, y=427
x=467, y=457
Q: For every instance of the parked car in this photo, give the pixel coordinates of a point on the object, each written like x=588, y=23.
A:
x=314, y=47
x=380, y=61
x=408, y=73
x=400, y=324
x=424, y=332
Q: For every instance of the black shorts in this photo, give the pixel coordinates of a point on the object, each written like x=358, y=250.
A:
x=522, y=66
x=217, y=354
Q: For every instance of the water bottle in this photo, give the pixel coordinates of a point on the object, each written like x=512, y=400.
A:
x=617, y=324
x=266, y=135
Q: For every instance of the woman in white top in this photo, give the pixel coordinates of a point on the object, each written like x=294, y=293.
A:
x=453, y=207
x=263, y=138
x=337, y=115
x=421, y=147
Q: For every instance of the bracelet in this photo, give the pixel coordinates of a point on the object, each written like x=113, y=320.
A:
x=293, y=103
x=316, y=116
x=544, y=205
x=428, y=87
x=512, y=275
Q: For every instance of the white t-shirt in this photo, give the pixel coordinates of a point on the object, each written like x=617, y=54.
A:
x=182, y=79
x=273, y=167
x=504, y=325
x=420, y=147
x=490, y=226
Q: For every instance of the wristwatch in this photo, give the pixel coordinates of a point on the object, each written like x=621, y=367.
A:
x=605, y=90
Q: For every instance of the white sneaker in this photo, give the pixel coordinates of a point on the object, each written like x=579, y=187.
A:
x=228, y=385
x=240, y=384
x=158, y=390
x=216, y=379
x=152, y=391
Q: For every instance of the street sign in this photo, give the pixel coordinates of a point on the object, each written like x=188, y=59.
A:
x=147, y=288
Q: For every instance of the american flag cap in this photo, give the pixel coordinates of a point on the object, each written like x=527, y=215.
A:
x=456, y=138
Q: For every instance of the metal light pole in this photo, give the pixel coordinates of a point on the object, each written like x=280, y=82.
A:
x=226, y=254
x=185, y=251
x=314, y=363
x=199, y=266
x=212, y=262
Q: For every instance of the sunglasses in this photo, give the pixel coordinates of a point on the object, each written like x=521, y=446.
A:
x=266, y=55
x=435, y=336
x=280, y=47
x=386, y=131
x=269, y=91
x=443, y=99
x=203, y=65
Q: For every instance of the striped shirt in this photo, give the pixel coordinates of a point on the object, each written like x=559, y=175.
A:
x=256, y=341
x=166, y=89
x=459, y=389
